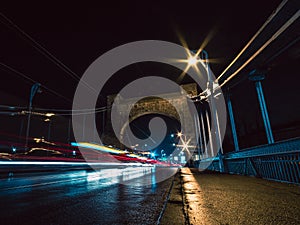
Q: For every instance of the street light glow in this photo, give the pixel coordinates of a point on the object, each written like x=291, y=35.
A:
x=49, y=114
x=192, y=60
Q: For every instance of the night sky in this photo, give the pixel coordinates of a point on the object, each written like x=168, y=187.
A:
x=78, y=33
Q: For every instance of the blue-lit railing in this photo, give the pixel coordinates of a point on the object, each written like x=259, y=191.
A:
x=279, y=161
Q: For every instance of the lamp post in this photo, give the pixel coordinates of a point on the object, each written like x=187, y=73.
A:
x=49, y=120
x=34, y=89
x=211, y=95
x=215, y=120
x=162, y=152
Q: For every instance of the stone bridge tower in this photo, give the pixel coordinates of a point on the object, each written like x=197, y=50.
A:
x=153, y=105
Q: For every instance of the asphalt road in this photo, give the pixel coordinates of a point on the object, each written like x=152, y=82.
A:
x=79, y=197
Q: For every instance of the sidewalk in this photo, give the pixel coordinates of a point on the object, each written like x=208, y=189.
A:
x=212, y=198
x=174, y=213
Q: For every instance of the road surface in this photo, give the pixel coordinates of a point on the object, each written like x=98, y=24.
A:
x=79, y=197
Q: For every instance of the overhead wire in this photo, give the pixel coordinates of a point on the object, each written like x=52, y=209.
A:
x=73, y=110
x=51, y=57
x=42, y=111
x=44, y=51
x=33, y=81
x=83, y=113
x=55, y=110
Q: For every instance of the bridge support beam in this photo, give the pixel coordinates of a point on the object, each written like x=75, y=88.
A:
x=214, y=113
x=204, y=135
x=257, y=77
x=199, y=137
x=232, y=123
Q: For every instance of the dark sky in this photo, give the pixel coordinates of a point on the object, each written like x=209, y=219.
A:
x=78, y=33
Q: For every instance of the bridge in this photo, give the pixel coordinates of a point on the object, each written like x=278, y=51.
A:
x=161, y=105
x=230, y=153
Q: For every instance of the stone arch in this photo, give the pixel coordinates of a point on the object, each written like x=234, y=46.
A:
x=144, y=114
x=151, y=105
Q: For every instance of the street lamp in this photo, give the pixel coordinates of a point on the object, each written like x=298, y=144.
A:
x=34, y=89
x=212, y=87
x=192, y=60
x=162, y=152
x=49, y=114
x=153, y=155
x=48, y=119
x=134, y=146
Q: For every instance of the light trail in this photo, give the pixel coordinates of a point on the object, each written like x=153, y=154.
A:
x=127, y=173
x=71, y=163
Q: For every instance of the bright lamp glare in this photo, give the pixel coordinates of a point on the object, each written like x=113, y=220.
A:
x=49, y=114
x=192, y=61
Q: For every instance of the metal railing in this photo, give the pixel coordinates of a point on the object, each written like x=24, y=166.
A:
x=279, y=161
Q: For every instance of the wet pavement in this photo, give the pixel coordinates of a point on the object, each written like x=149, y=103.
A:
x=79, y=197
x=212, y=198
x=88, y=197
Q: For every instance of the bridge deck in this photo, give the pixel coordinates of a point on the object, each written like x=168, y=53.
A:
x=211, y=198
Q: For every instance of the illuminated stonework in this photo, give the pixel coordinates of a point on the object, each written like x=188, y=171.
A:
x=152, y=105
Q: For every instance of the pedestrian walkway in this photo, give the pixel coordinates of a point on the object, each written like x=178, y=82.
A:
x=212, y=198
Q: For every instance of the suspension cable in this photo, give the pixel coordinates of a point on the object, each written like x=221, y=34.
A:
x=253, y=38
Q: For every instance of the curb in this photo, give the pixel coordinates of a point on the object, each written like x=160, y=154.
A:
x=166, y=201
